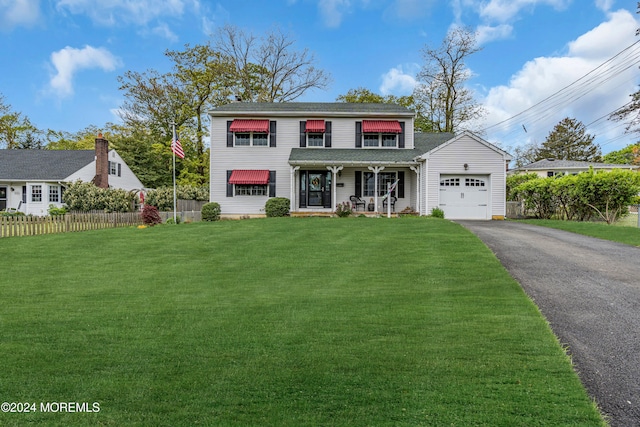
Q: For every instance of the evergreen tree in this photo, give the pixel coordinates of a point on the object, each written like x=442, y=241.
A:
x=569, y=141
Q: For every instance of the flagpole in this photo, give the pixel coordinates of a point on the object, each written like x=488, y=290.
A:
x=174, y=173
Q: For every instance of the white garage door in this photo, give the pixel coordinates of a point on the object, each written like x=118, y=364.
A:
x=464, y=196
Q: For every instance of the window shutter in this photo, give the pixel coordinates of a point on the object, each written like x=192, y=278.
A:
x=400, y=192
x=358, y=134
x=303, y=134
x=119, y=169
x=272, y=134
x=358, y=192
x=272, y=183
x=229, y=135
x=229, y=186
x=327, y=134
x=109, y=167
x=401, y=136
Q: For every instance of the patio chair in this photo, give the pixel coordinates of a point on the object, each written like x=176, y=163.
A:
x=15, y=210
x=356, y=202
x=393, y=203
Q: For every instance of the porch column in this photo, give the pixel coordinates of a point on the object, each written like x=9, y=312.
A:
x=334, y=170
x=292, y=192
x=376, y=170
x=416, y=169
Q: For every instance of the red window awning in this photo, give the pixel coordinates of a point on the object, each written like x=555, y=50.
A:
x=315, y=126
x=249, y=177
x=381, y=126
x=249, y=125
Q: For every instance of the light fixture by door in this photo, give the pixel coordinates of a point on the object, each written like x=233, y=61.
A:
x=466, y=166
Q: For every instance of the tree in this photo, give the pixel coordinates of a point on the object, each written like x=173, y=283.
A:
x=16, y=130
x=629, y=155
x=630, y=112
x=363, y=95
x=569, y=141
x=525, y=154
x=268, y=69
x=448, y=105
x=155, y=102
x=205, y=78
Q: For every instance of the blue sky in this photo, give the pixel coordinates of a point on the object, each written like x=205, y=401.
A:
x=61, y=58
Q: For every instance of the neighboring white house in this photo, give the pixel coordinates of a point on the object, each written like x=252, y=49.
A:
x=31, y=180
x=553, y=167
x=321, y=154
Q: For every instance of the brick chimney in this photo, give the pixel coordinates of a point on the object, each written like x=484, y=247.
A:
x=102, y=163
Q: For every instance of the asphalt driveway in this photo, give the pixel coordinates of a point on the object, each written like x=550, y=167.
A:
x=589, y=291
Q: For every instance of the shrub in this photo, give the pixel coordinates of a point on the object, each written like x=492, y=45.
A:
x=211, y=211
x=55, y=211
x=437, y=213
x=150, y=215
x=163, y=196
x=277, y=206
x=343, y=209
x=171, y=221
x=85, y=196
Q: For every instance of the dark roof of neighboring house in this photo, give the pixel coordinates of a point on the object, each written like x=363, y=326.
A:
x=424, y=142
x=310, y=108
x=45, y=165
x=549, y=164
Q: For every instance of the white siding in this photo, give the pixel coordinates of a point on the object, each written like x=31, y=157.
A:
x=127, y=179
x=225, y=158
x=481, y=159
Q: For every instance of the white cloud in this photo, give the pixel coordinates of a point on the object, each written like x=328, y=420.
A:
x=15, y=13
x=332, y=11
x=587, y=99
x=604, y=5
x=507, y=10
x=485, y=33
x=163, y=30
x=114, y=12
x=68, y=61
x=399, y=82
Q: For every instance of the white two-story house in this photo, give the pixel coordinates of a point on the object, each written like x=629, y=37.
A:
x=321, y=154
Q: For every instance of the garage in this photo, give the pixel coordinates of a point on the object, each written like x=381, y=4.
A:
x=465, y=196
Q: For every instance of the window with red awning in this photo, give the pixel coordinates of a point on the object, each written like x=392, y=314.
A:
x=249, y=177
x=381, y=126
x=249, y=125
x=315, y=126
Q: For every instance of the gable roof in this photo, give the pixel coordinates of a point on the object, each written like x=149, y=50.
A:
x=309, y=109
x=467, y=134
x=42, y=165
x=551, y=164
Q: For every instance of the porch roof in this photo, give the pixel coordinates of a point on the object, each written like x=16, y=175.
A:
x=424, y=142
x=353, y=156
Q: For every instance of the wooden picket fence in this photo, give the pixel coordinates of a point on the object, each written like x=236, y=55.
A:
x=34, y=225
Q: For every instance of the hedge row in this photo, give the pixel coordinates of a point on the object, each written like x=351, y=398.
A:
x=581, y=197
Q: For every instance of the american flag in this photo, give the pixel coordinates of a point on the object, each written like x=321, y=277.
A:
x=176, y=147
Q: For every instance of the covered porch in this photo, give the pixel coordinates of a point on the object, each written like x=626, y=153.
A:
x=321, y=179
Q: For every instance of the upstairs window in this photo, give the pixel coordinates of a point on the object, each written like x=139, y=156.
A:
x=315, y=133
x=251, y=132
x=380, y=133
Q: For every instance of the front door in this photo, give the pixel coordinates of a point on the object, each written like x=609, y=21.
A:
x=3, y=198
x=315, y=189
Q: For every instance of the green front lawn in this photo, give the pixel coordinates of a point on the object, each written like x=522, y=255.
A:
x=278, y=322
x=627, y=234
